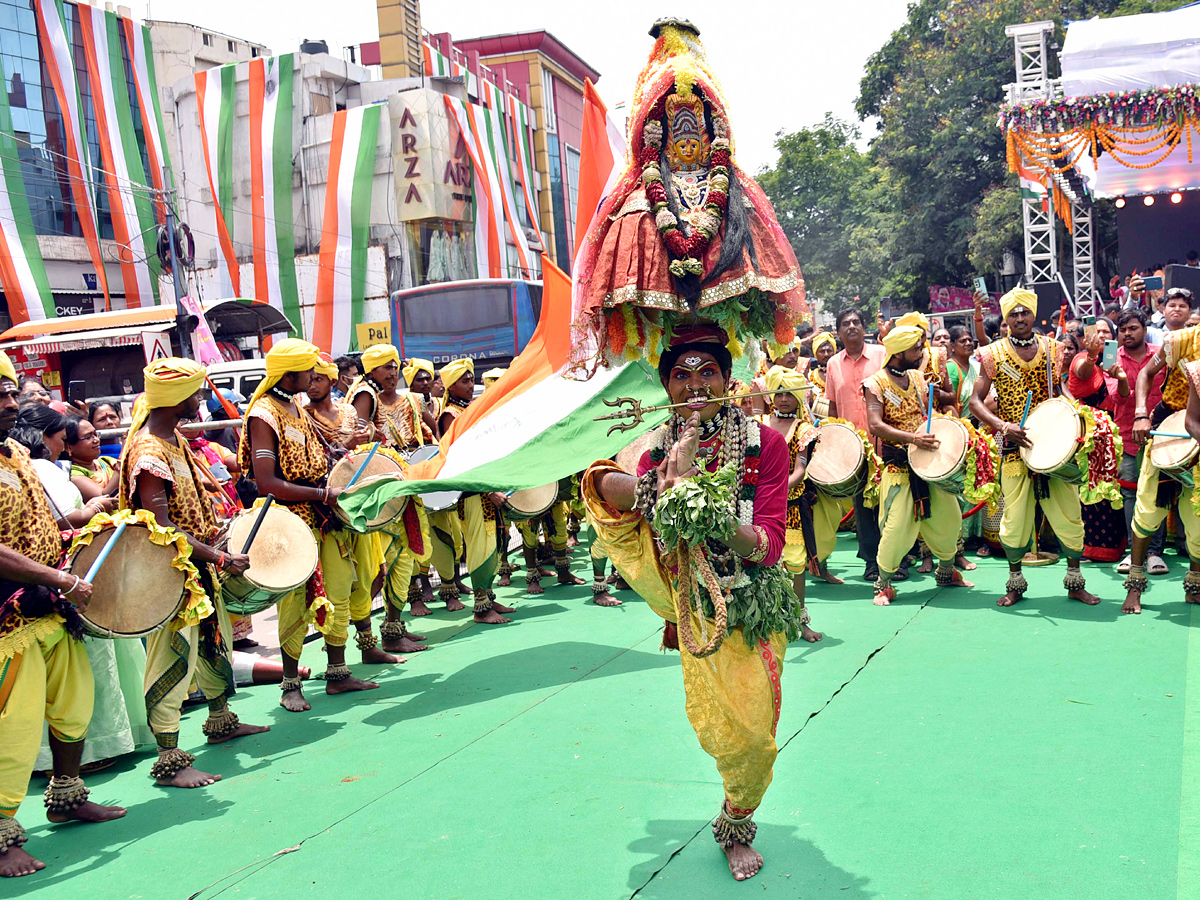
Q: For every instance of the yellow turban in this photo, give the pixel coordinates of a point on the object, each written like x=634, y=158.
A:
x=492, y=375
x=416, y=365
x=901, y=338
x=169, y=382
x=781, y=378
x=379, y=355
x=7, y=369
x=821, y=339
x=288, y=355
x=1018, y=296
x=452, y=371
x=326, y=366
x=914, y=318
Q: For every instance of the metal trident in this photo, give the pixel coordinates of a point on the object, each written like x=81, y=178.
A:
x=635, y=412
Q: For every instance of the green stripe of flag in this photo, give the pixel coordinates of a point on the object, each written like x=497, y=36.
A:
x=224, y=160
x=153, y=80
x=360, y=209
x=281, y=172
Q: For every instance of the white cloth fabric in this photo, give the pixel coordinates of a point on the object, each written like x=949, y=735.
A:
x=64, y=496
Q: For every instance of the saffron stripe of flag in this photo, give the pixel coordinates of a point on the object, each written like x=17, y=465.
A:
x=56, y=51
x=114, y=127
x=601, y=158
x=22, y=270
x=489, y=260
x=341, y=278
x=493, y=139
x=215, y=91
x=141, y=58
x=519, y=126
x=271, y=109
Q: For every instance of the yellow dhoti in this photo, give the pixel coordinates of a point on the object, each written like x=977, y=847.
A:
x=368, y=559
x=446, y=531
x=827, y=516
x=479, y=535
x=295, y=615
x=49, y=679
x=1148, y=515
x=899, y=525
x=1061, y=508
x=400, y=561
x=733, y=696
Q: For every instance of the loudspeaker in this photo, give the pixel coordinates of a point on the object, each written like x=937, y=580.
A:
x=1050, y=301
x=1182, y=277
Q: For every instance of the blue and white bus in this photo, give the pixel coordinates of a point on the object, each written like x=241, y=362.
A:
x=487, y=319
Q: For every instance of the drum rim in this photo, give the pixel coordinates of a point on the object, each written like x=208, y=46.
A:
x=524, y=514
x=1186, y=463
x=96, y=630
x=862, y=455
x=962, y=459
x=246, y=575
x=1080, y=430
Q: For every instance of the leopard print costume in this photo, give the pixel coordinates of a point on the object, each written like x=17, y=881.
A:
x=187, y=501
x=301, y=455
x=1178, y=347
x=903, y=408
x=1014, y=378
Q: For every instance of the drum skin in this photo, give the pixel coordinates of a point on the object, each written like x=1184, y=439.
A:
x=629, y=458
x=137, y=590
x=949, y=460
x=1054, y=427
x=838, y=463
x=283, y=557
x=531, y=502
x=380, y=468
x=1175, y=456
x=435, y=501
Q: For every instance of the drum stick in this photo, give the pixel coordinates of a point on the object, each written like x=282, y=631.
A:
x=262, y=514
x=107, y=549
x=1028, y=402
x=1171, y=434
x=362, y=468
x=929, y=418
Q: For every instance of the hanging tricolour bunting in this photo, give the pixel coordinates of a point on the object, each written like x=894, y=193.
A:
x=141, y=58
x=22, y=271
x=494, y=205
x=518, y=124
x=341, y=279
x=56, y=51
x=126, y=183
x=215, y=93
x=271, y=107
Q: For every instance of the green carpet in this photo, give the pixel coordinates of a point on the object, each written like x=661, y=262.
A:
x=937, y=748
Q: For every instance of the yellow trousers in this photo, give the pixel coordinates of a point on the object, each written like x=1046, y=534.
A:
x=899, y=525
x=401, y=561
x=479, y=535
x=172, y=659
x=337, y=569
x=795, y=554
x=50, y=680
x=732, y=697
x=1061, y=508
x=368, y=559
x=446, y=532
x=827, y=516
x=553, y=523
x=1148, y=515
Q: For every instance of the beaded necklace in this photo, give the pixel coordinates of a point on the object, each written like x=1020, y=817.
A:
x=457, y=402
x=1023, y=342
x=280, y=394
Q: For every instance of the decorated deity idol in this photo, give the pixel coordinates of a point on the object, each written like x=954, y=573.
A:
x=685, y=235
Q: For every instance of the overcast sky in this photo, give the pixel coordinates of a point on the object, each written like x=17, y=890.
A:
x=783, y=65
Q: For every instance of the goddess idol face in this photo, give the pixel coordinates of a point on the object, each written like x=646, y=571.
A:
x=687, y=136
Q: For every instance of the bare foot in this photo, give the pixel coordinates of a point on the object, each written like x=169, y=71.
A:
x=88, y=812
x=744, y=860
x=188, y=778
x=963, y=563
x=377, y=657
x=410, y=643
x=1084, y=596
x=452, y=605
x=569, y=578
x=1133, y=603
x=1010, y=598
x=534, y=588
x=16, y=862
x=572, y=541
x=241, y=731
x=491, y=617
x=620, y=584
x=885, y=597
x=418, y=608
x=501, y=608
x=543, y=572
x=926, y=565
x=809, y=635
x=829, y=577
x=959, y=581
x=461, y=585
x=605, y=599
x=346, y=685
x=293, y=701
x=505, y=580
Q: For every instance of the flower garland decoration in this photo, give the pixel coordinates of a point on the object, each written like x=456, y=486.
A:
x=980, y=481
x=686, y=250
x=1099, y=458
x=197, y=606
x=1177, y=105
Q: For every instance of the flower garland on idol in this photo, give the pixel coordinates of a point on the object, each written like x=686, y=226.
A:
x=686, y=250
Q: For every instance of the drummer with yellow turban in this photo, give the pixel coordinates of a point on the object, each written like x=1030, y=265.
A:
x=281, y=449
x=419, y=375
x=790, y=417
x=159, y=475
x=45, y=675
x=398, y=418
x=934, y=360
x=472, y=525
x=1027, y=368
x=897, y=399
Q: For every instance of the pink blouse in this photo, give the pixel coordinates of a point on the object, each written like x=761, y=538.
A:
x=770, y=500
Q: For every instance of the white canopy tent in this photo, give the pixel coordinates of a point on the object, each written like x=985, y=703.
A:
x=1133, y=53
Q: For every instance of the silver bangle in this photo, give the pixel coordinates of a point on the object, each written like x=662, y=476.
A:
x=72, y=587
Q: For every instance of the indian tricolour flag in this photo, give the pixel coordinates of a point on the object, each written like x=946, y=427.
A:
x=215, y=95
x=537, y=424
x=1033, y=184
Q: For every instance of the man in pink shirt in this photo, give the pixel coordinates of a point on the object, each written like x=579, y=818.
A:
x=844, y=376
